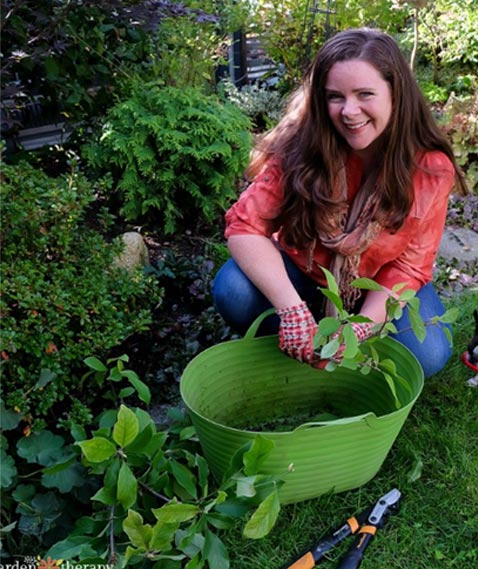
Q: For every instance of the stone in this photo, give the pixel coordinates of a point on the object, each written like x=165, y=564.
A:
x=135, y=253
x=459, y=243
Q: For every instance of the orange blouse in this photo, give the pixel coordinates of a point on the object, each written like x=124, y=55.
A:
x=406, y=256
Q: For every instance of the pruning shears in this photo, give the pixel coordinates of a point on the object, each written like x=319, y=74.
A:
x=364, y=525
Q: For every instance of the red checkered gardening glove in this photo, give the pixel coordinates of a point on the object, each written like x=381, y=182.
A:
x=296, y=332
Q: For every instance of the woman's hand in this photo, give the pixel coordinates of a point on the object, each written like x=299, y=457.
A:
x=296, y=332
x=362, y=330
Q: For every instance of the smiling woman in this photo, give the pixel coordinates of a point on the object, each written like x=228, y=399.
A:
x=355, y=178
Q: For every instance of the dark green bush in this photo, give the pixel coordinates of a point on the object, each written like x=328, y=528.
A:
x=62, y=298
x=174, y=153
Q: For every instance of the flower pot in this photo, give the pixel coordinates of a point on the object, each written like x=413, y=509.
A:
x=248, y=381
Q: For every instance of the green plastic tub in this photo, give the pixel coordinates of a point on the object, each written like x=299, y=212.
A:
x=233, y=386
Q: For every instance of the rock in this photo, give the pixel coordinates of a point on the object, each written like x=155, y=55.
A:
x=459, y=243
x=135, y=252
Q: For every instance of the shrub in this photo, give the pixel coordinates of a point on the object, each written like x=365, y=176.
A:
x=263, y=106
x=62, y=298
x=173, y=152
x=460, y=124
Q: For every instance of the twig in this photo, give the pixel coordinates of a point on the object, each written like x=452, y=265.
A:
x=154, y=493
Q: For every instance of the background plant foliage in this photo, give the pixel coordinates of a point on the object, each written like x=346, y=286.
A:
x=175, y=154
x=124, y=491
x=77, y=55
x=62, y=297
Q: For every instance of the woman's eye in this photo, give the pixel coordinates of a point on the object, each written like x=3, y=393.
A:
x=333, y=96
x=366, y=94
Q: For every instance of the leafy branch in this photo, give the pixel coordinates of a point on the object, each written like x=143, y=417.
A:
x=337, y=331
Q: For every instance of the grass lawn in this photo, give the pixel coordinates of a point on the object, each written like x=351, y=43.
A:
x=433, y=462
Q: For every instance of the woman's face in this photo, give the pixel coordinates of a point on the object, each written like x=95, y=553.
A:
x=359, y=102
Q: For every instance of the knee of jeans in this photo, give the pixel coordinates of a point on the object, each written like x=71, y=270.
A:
x=234, y=297
x=435, y=362
x=433, y=353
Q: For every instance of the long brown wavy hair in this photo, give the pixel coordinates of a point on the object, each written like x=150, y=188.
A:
x=312, y=152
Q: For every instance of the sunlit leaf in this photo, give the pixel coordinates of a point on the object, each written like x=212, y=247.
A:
x=366, y=284
x=176, y=512
x=97, y=449
x=126, y=427
x=351, y=342
x=330, y=349
x=264, y=518
x=138, y=533
x=417, y=325
x=328, y=325
x=449, y=316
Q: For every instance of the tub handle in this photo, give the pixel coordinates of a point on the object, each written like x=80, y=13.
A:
x=251, y=332
x=370, y=418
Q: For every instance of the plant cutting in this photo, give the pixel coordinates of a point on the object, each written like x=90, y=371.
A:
x=338, y=341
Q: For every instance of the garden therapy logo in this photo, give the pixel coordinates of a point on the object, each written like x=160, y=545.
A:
x=49, y=563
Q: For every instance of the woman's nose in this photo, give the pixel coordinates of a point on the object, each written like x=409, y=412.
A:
x=350, y=107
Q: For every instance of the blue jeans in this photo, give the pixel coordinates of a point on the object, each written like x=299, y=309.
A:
x=240, y=302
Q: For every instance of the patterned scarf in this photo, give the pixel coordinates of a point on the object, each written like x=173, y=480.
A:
x=354, y=229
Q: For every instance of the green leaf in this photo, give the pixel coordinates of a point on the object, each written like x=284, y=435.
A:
x=46, y=376
x=203, y=473
x=65, y=477
x=407, y=295
x=330, y=349
x=366, y=284
x=162, y=536
x=257, y=453
x=8, y=470
x=72, y=547
x=328, y=326
x=331, y=282
x=391, y=384
x=176, y=512
x=351, y=342
x=264, y=518
x=399, y=286
x=334, y=298
x=416, y=471
x=449, y=316
x=142, y=389
x=139, y=534
x=245, y=486
x=127, y=487
x=417, y=324
x=389, y=366
x=9, y=419
x=44, y=447
x=126, y=392
x=97, y=449
x=105, y=495
x=126, y=427
x=184, y=477
x=95, y=363
x=220, y=521
x=215, y=552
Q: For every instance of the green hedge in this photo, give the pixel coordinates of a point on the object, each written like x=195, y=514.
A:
x=62, y=298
